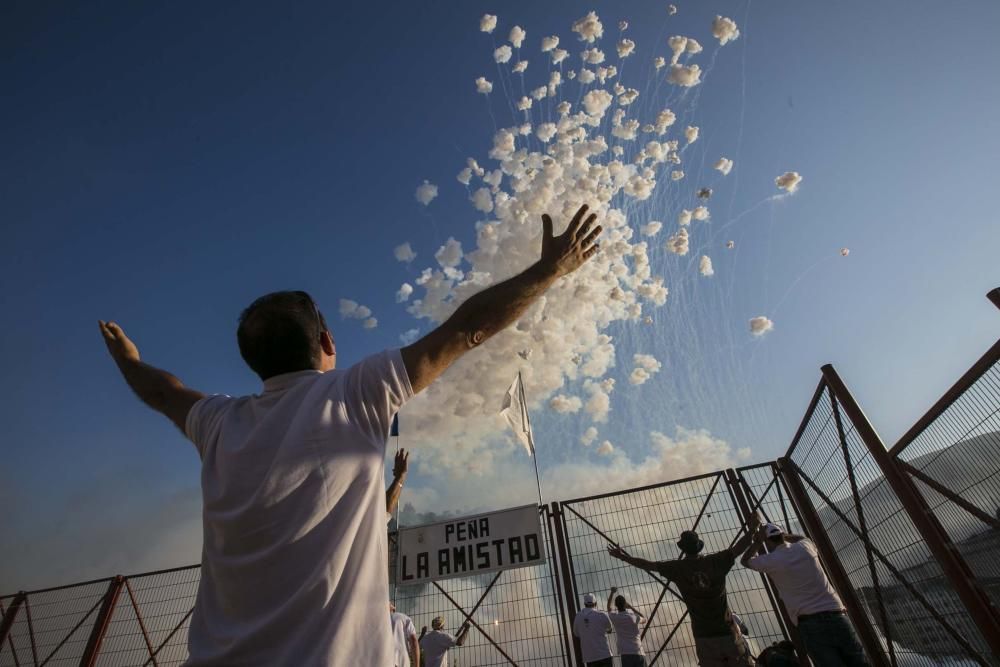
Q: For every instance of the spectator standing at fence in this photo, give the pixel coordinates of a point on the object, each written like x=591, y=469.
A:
x=627, y=622
x=814, y=607
x=436, y=643
x=701, y=581
x=592, y=626
x=404, y=639
x=294, y=549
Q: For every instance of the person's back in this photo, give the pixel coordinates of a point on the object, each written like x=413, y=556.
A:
x=800, y=579
x=293, y=509
x=435, y=645
x=294, y=533
x=592, y=627
x=701, y=582
x=813, y=605
x=627, y=627
x=403, y=633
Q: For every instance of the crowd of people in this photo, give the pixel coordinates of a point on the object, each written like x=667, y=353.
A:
x=294, y=509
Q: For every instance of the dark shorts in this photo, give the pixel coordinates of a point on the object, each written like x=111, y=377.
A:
x=600, y=663
x=633, y=661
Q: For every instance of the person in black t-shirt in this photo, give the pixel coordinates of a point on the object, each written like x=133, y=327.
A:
x=701, y=580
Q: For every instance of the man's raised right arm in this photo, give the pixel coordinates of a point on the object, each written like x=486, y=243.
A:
x=500, y=305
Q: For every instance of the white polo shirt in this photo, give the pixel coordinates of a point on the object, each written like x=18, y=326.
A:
x=435, y=645
x=402, y=630
x=293, y=562
x=628, y=628
x=592, y=627
x=800, y=579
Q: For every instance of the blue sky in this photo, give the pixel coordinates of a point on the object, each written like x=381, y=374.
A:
x=166, y=163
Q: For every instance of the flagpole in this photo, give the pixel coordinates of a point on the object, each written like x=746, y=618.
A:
x=534, y=452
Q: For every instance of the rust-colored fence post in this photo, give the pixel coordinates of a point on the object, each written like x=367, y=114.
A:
x=834, y=568
x=8, y=617
x=565, y=567
x=101, y=623
x=556, y=567
x=941, y=547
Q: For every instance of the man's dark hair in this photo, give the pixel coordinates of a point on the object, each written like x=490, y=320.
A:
x=279, y=333
x=620, y=602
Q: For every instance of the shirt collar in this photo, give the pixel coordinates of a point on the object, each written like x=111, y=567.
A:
x=286, y=380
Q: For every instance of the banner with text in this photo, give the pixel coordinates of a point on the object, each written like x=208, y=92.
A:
x=470, y=545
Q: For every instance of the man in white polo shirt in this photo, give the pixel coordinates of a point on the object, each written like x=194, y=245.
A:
x=436, y=643
x=592, y=627
x=404, y=639
x=294, y=548
x=815, y=608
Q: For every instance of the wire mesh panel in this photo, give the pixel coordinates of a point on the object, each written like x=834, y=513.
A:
x=516, y=614
x=953, y=457
x=647, y=523
x=54, y=625
x=150, y=622
x=767, y=494
x=889, y=566
x=146, y=625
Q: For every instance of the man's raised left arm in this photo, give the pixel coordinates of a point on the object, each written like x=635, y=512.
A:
x=155, y=387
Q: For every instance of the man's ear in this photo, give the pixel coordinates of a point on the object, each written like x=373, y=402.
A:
x=326, y=342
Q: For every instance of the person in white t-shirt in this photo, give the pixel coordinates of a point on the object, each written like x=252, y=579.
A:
x=404, y=639
x=812, y=603
x=592, y=626
x=294, y=544
x=436, y=643
x=628, y=622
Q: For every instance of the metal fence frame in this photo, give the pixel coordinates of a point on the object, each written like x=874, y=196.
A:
x=815, y=486
x=727, y=492
x=843, y=502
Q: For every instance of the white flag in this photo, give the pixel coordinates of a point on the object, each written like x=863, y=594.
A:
x=515, y=411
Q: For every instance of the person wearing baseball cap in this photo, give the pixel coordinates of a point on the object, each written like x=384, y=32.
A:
x=793, y=564
x=592, y=626
x=435, y=644
x=701, y=580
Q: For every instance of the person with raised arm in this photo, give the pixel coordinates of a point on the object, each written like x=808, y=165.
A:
x=436, y=643
x=792, y=563
x=701, y=580
x=294, y=548
x=627, y=622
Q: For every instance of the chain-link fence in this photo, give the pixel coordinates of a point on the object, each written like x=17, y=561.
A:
x=647, y=522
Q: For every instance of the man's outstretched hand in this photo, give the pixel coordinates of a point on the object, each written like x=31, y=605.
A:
x=156, y=388
x=401, y=464
x=122, y=349
x=567, y=252
x=616, y=551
